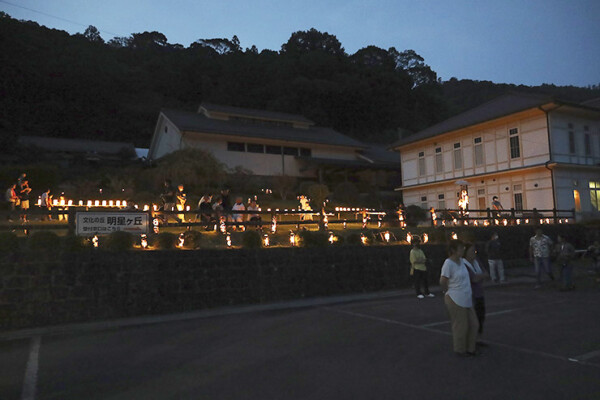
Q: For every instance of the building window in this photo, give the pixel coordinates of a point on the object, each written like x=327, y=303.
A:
x=595, y=195
x=458, y=162
x=304, y=152
x=166, y=129
x=422, y=163
x=290, y=151
x=439, y=160
x=441, y=201
x=255, y=148
x=236, y=146
x=588, y=144
x=518, y=201
x=273, y=149
x=424, y=202
x=515, y=149
x=478, y=146
x=572, y=142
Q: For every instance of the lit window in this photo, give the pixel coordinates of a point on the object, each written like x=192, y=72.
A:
x=595, y=194
x=439, y=160
x=422, y=163
x=458, y=163
x=515, y=149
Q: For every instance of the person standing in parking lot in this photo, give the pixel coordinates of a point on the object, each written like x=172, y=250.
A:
x=418, y=269
x=494, y=253
x=540, y=247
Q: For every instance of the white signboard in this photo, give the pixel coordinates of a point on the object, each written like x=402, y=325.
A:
x=104, y=223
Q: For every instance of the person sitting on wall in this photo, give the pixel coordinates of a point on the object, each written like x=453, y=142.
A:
x=254, y=217
x=238, y=206
x=205, y=209
x=168, y=198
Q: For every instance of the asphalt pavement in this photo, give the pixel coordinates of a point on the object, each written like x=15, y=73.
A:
x=543, y=344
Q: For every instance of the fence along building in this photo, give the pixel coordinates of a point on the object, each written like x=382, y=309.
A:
x=266, y=143
x=530, y=151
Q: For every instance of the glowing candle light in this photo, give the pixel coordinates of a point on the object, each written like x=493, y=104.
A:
x=62, y=202
x=181, y=240
x=144, y=241
x=111, y=203
x=187, y=208
x=103, y=203
x=409, y=237
x=274, y=224
x=124, y=203
x=363, y=239
x=154, y=207
x=81, y=202
x=454, y=236
x=345, y=224
x=146, y=207
x=97, y=203
x=95, y=241
x=266, y=240
x=386, y=236
x=292, y=238
x=228, y=239
x=425, y=238
x=526, y=221
x=331, y=238
x=55, y=202
x=89, y=203
x=118, y=203
x=504, y=222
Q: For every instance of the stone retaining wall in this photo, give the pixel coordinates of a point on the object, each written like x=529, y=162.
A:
x=38, y=289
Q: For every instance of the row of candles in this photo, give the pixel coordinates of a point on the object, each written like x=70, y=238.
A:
x=499, y=222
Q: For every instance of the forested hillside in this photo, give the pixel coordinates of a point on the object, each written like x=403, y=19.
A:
x=56, y=84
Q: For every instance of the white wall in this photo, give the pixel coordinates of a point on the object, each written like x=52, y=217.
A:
x=559, y=122
x=533, y=140
x=167, y=139
x=535, y=185
x=569, y=179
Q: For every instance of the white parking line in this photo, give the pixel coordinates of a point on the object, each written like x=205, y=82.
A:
x=31, y=371
x=586, y=356
x=496, y=344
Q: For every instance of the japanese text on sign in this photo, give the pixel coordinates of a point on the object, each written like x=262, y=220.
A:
x=98, y=223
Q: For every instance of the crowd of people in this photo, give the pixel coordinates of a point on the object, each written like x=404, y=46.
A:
x=463, y=274
x=210, y=207
x=17, y=196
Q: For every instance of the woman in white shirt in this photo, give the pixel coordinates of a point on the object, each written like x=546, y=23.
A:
x=455, y=282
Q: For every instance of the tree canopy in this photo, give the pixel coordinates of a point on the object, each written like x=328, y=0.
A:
x=56, y=84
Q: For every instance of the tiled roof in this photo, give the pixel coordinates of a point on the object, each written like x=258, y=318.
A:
x=499, y=107
x=196, y=122
x=251, y=113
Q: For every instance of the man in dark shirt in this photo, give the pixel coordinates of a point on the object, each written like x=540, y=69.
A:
x=168, y=196
x=226, y=200
x=494, y=249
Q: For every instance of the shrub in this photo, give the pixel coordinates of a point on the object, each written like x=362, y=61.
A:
x=318, y=193
x=165, y=241
x=303, y=187
x=9, y=243
x=44, y=240
x=118, y=241
x=72, y=243
x=313, y=239
x=415, y=214
x=251, y=240
x=192, y=239
x=346, y=192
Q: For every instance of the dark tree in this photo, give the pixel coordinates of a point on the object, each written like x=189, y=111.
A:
x=93, y=35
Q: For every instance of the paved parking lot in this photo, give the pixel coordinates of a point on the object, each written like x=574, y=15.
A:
x=543, y=345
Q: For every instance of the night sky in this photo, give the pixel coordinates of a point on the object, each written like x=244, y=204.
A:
x=522, y=42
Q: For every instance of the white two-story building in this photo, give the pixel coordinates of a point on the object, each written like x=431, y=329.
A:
x=266, y=143
x=530, y=151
